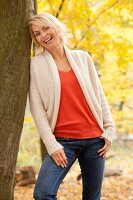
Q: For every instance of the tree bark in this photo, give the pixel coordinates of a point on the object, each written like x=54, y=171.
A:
x=14, y=84
x=42, y=149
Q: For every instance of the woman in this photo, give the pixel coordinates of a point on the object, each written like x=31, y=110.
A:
x=70, y=110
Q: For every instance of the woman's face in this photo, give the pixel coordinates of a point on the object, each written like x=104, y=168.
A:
x=46, y=36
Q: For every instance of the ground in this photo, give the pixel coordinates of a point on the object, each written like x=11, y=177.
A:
x=118, y=188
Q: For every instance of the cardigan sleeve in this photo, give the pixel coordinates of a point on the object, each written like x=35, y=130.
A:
x=108, y=124
x=39, y=116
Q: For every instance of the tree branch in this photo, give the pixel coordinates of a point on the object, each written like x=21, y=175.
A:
x=60, y=7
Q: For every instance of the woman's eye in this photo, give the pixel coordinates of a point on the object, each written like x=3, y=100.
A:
x=45, y=27
x=37, y=34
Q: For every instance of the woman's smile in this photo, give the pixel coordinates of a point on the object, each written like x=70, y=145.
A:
x=48, y=40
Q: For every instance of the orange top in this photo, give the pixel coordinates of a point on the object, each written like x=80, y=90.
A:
x=75, y=119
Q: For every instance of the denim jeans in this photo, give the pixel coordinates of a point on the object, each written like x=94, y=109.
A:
x=91, y=164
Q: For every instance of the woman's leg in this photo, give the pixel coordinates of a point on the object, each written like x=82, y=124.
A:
x=92, y=167
x=51, y=175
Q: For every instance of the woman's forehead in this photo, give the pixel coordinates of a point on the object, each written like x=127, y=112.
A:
x=42, y=23
x=36, y=27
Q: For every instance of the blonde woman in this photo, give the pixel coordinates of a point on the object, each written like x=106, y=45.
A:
x=69, y=109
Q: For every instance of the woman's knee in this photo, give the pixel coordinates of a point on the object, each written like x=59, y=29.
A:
x=45, y=193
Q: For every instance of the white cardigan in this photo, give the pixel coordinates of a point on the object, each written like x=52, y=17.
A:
x=45, y=88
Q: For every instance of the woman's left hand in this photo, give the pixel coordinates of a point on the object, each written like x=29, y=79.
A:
x=104, y=149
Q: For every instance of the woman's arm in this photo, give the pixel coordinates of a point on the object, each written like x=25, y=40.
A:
x=39, y=116
x=108, y=124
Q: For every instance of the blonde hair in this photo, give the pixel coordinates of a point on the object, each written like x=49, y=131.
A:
x=46, y=19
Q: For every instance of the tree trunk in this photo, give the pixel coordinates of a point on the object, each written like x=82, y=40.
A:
x=14, y=84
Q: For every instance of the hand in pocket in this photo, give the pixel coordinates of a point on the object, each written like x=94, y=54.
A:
x=105, y=148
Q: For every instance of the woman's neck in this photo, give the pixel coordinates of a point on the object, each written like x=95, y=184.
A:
x=58, y=53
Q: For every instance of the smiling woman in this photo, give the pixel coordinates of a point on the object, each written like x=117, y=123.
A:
x=70, y=110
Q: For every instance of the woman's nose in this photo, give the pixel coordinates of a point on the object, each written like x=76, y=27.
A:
x=44, y=35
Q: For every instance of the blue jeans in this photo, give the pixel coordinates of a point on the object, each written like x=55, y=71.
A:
x=91, y=164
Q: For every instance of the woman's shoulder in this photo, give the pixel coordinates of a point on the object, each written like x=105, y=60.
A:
x=36, y=58
x=81, y=53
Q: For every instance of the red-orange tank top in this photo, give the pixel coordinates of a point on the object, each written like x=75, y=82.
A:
x=75, y=119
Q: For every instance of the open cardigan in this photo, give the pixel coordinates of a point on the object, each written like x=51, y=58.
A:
x=45, y=89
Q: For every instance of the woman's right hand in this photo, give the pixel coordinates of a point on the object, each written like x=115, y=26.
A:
x=60, y=158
